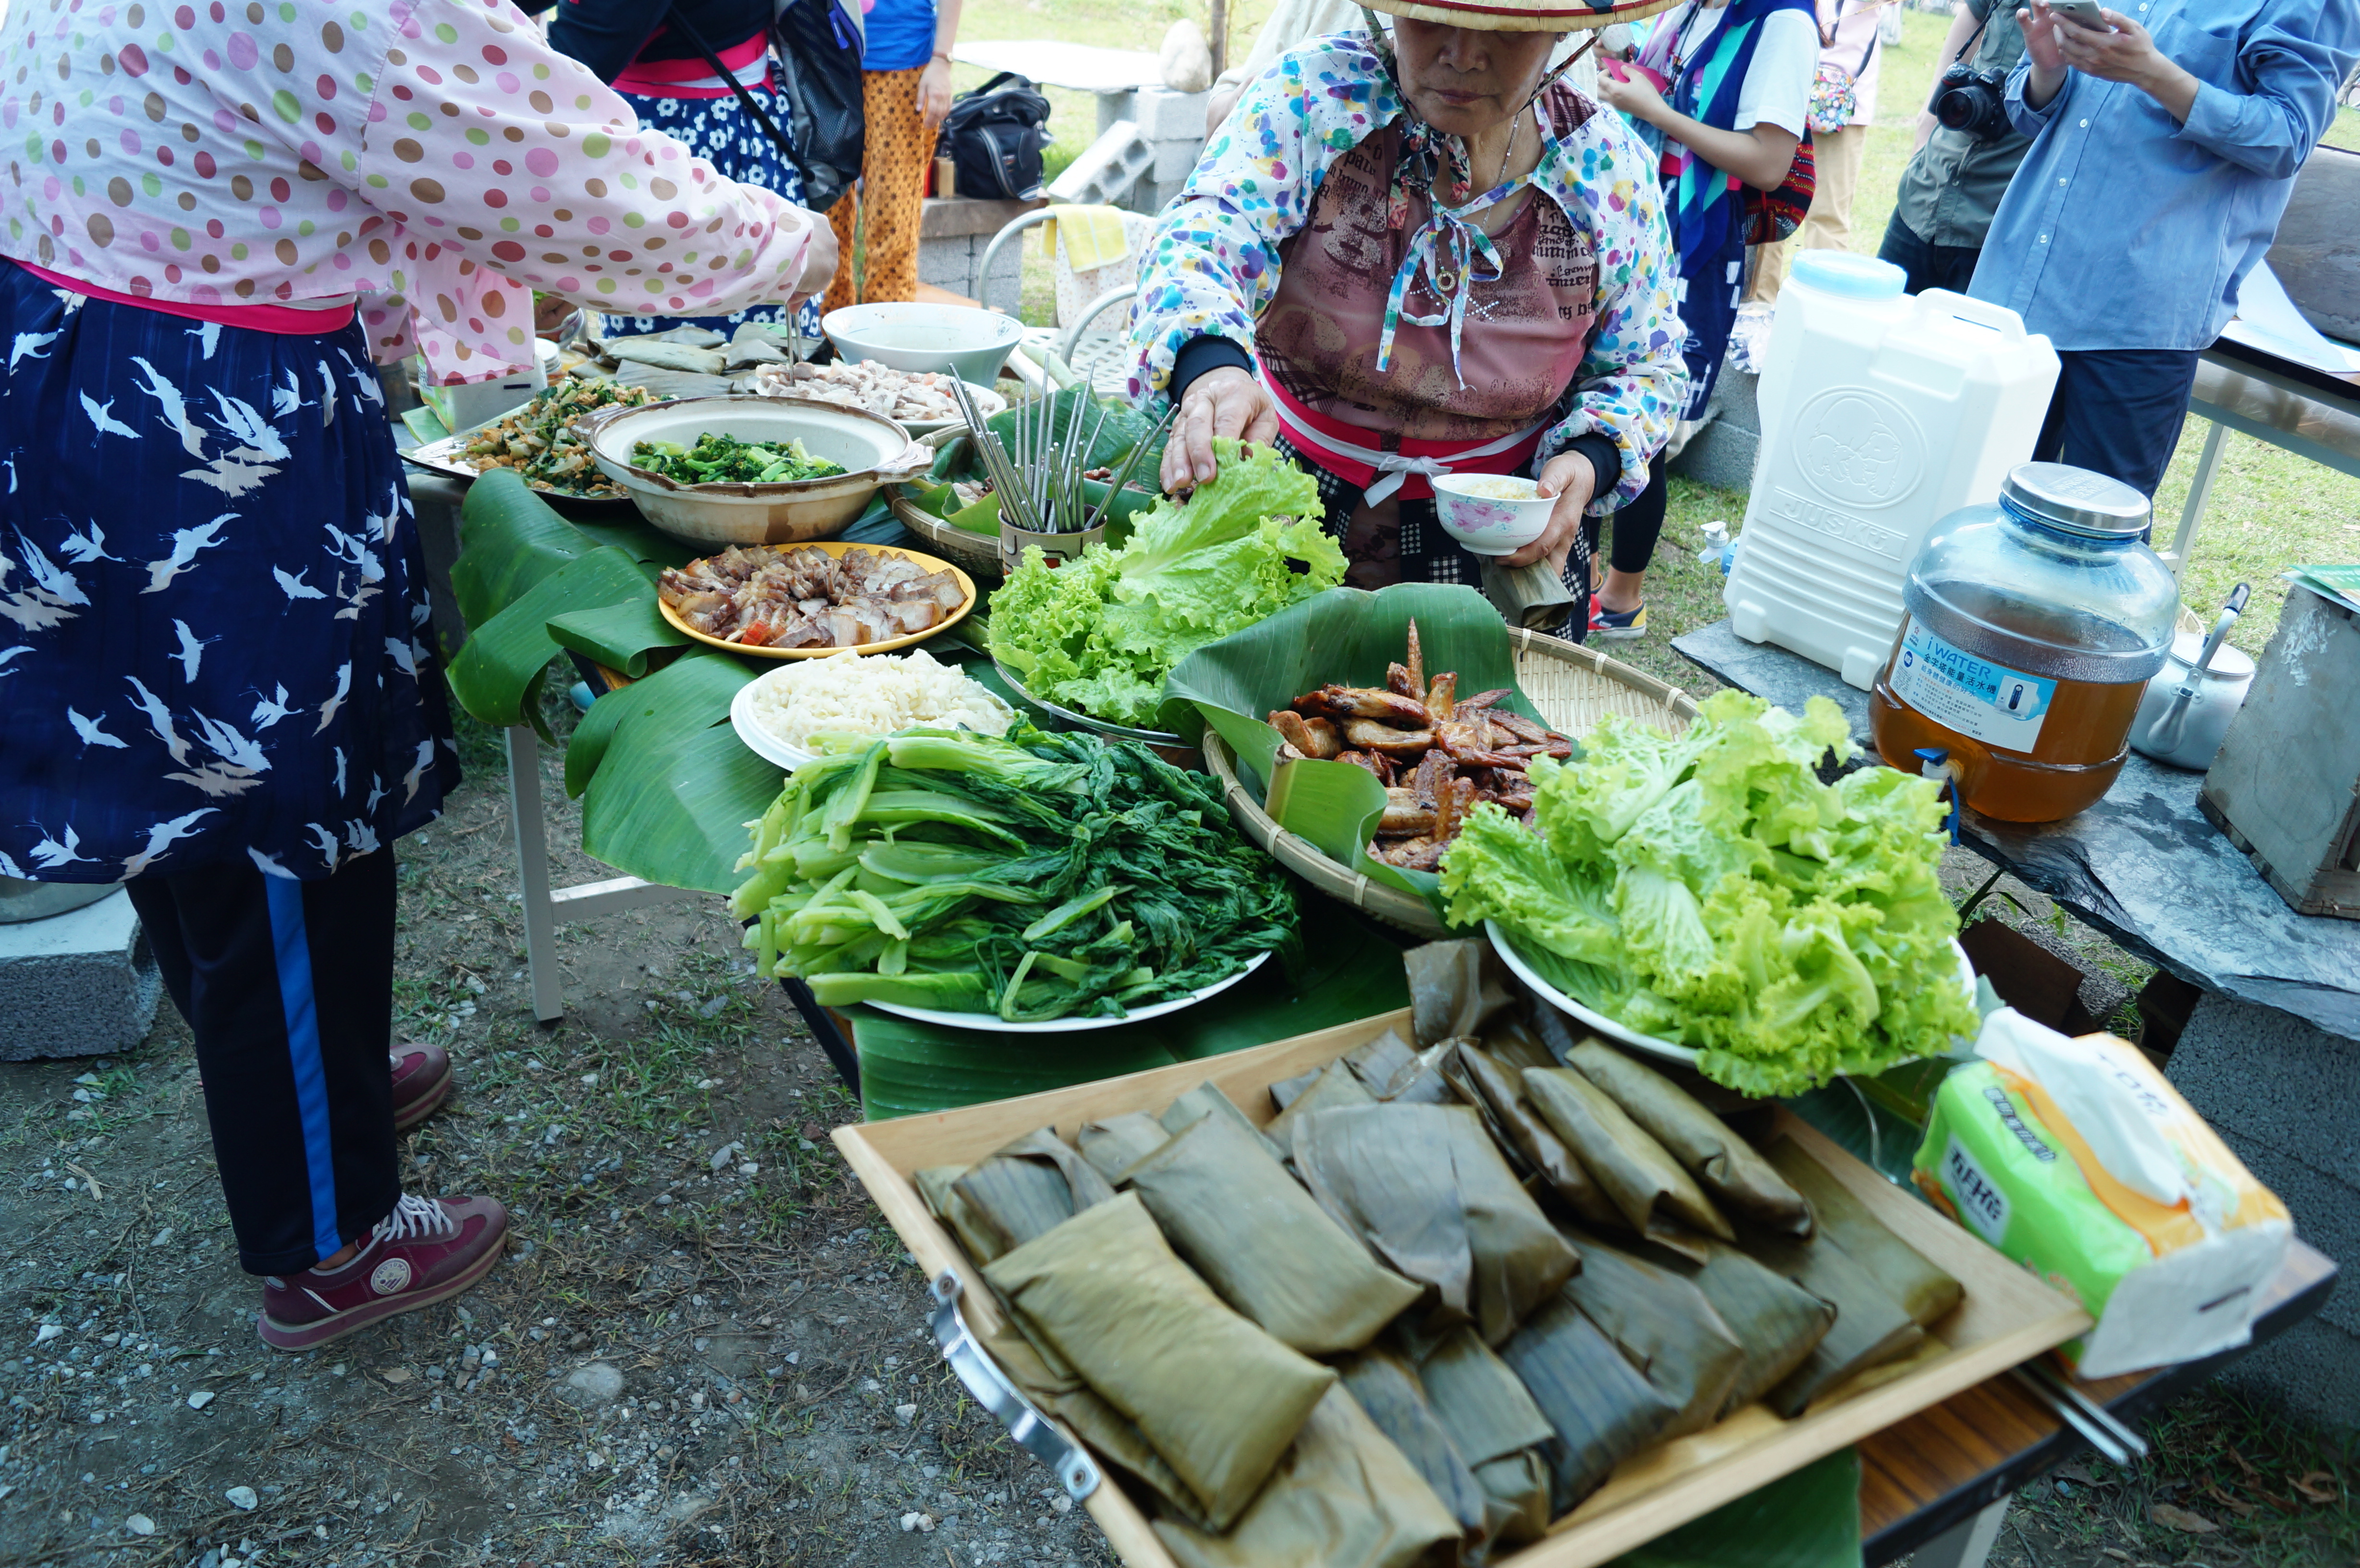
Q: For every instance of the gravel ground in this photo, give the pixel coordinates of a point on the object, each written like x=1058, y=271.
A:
x=704, y=1346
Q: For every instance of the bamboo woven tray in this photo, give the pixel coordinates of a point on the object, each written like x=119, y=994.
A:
x=2006, y=1317
x=1573, y=687
x=980, y=553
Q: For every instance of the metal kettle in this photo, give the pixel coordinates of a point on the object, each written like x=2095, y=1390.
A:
x=2184, y=714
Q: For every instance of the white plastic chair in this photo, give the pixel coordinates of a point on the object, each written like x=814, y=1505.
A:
x=1081, y=297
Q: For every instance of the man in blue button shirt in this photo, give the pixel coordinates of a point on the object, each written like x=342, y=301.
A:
x=2165, y=149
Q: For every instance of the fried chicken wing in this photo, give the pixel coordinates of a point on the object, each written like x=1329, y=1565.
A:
x=1367, y=735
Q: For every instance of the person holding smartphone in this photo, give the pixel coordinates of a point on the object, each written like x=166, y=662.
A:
x=1965, y=155
x=2166, y=139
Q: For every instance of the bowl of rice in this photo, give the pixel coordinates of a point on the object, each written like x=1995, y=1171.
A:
x=778, y=714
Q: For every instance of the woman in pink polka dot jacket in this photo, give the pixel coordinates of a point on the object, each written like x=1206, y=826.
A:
x=215, y=684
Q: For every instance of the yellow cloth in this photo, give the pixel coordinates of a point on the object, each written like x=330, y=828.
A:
x=1093, y=236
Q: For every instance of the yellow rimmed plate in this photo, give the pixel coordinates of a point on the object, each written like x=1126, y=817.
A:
x=838, y=547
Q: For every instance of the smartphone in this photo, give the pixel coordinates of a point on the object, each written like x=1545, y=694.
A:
x=2082, y=14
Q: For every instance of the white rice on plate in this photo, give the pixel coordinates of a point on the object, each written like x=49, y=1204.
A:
x=871, y=694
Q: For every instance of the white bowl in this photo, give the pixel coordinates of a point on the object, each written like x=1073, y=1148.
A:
x=969, y=343
x=1490, y=524
x=872, y=450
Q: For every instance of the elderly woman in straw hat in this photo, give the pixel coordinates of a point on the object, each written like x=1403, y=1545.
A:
x=1415, y=251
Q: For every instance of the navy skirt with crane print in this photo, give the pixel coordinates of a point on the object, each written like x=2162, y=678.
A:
x=215, y=644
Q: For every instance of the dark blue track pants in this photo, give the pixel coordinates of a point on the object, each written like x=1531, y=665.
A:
x=288, y=988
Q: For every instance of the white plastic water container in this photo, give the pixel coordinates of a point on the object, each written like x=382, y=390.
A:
x=1881, y=412
x=465, y=408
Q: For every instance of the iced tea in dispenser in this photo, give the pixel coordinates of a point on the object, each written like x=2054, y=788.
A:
x=2031, y=628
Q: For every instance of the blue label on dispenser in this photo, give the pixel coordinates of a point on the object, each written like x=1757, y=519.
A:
x=1982, y=701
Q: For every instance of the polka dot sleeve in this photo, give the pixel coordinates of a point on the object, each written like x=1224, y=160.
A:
x=433, y=158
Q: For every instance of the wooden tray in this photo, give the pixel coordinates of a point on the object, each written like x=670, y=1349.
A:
x=2007, y=1316
x=1573, y=687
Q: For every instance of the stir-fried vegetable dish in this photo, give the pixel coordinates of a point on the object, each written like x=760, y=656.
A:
x=725, y=460
x=538, y=440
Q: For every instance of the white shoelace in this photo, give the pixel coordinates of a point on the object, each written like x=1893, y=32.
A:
x=414, y=1219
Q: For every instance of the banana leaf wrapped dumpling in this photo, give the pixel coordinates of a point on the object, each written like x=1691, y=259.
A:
x=1775, y=1320
x=1263, y=1243
x=1664, y=1327
x=1342, y=1495
x=1112, y=1145
x=1383, y=1381
x=1601, y=1408
x=1495, y=1426
x=1496, y=1088
x=1426, y=1188
x=1024, y=1190
x=1925, y=1291
x=1740, y=1181
x=1869, y=1327
x=1655, y=1196
x=1217, y=1398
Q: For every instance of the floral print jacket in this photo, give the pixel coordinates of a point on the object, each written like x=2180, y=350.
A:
x=434, y=157
x=1215, y=261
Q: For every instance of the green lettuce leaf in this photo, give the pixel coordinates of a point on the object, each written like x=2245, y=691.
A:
x=1100, y=633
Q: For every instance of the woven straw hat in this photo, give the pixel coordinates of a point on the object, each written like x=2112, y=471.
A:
x=1521, y=15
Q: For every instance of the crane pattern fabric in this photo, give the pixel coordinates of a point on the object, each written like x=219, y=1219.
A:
x=213, y=622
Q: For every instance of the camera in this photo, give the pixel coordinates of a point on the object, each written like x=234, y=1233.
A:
x=1972, y=101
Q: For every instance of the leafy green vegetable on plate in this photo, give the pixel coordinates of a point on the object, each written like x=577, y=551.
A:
x=1035, y=877
x=1710, y=890
x=1100, y=633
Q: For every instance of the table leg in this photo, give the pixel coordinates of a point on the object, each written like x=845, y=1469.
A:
x=1966, y=1544
x=532, y=874
x=2199, y=492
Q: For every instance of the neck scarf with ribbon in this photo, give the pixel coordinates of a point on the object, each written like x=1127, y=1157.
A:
x=1445, y=252
x=1701, y=203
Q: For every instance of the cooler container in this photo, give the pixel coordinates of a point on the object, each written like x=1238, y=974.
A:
x=1880, y=413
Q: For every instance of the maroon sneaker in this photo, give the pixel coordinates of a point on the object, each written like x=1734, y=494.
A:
x=427, y=1250
x=422, y=1081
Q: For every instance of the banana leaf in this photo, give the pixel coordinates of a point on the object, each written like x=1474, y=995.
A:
x=1385, y=1385
x=1230, y=1208
x=509, y=539
x=1655, y=1196
x=1122, y=430
x=1870, y=1330
x=1724, y=1164
x=497, y=674
x=1218, y=1399
x=1114, y=1144
x=908, y=1068
x=1925, y=1291
x=640, y=540
x=1664, y=1327
x=1348, y=636
x=1206, y=1100
x=1777, y=1321
x=1807, y=1520
x=1025, y=1190
x=618, y=636
x=697, y=688
x=673, y=786
x=1496, y=1089
x=1601, y=1409
x=1344, y=1492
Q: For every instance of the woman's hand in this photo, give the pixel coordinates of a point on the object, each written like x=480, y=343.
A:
x=1629, y=91
x=1570, y=478
x=819, y=262
x=1224, y=402
x=934, y=94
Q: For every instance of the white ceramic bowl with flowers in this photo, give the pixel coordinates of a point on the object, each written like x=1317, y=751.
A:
x=1491, y=514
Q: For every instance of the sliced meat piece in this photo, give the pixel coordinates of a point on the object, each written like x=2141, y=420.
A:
x=1417, y=671
x=1521, y=727
x=1481, y=700
x=1434, y=774
x=1442, y=698
x=1405, y=816
x=1326, y=741
x=1360, y=703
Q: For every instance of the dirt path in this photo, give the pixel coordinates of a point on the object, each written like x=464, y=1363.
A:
x=703, y=1348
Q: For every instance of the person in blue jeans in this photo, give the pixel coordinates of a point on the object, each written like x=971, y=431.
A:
x=1958, y=173
x=2164, y=148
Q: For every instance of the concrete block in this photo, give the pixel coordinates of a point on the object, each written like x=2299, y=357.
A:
x=2313, y=1370
x=1175, y=161
x=2270, y=1076
x=948, y=217
x=1163, y=115
x=2326, y=1215
x=1151, y=196
x=1722, y=451
x=1113, y=107
x=78, y=984
x=1106, y=169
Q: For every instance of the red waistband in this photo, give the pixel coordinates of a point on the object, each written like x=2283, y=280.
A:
x=1297, y=419
x=692, y=78
x=285, y=319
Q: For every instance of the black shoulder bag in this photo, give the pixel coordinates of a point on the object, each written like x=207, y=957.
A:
x=818, y=63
